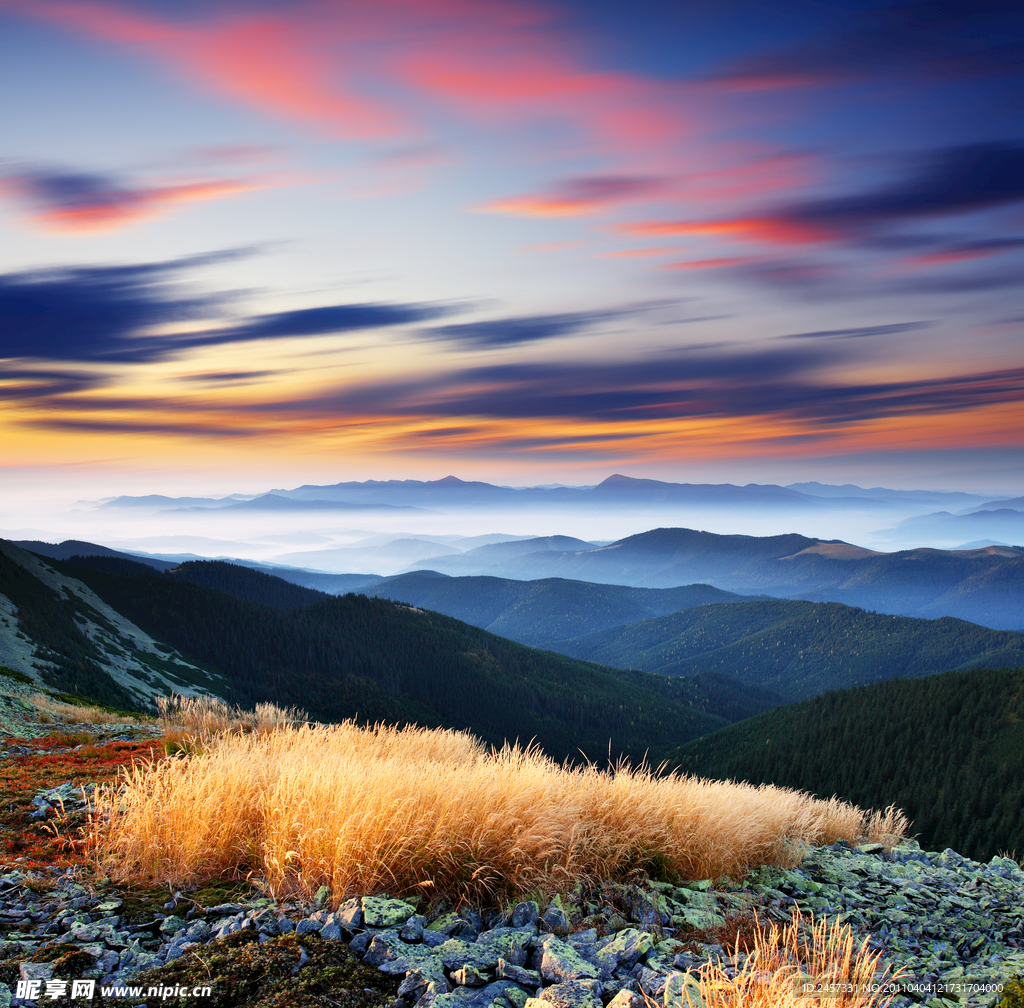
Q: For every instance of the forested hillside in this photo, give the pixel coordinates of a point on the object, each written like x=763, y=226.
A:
x=947, y=749
x=797, y=649
x=352, y=655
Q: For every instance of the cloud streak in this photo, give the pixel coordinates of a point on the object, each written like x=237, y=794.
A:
x=685, y=387
x=85, y=202
x=529, y=328
x=106, y=314
x=948, y=182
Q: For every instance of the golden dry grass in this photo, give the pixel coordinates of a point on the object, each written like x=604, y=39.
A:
x=51, y=710
x=788, y=962
x=430, y=811
x=208, y=716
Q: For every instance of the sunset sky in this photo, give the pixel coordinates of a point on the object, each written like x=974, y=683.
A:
x=251, y=245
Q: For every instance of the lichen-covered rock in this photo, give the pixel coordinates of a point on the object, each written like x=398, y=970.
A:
x=379, y=912
x=682, y=990
x=558, y=962
x=622, y=950
x=568, y=994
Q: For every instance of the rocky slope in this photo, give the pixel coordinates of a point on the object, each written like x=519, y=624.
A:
x=948, y=926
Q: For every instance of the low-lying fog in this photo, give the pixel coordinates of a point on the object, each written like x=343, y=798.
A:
x=363, y=540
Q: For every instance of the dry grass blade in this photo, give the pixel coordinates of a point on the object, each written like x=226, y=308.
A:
x=788, y=967
x=56, y=710
x=207, y=716
x=413, y=810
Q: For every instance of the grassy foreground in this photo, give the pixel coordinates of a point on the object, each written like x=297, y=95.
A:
x=432, y=812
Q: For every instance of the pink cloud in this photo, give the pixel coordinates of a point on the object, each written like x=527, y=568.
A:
x=277, y=64
x=772, y=230
x=80, y=203
x=693, y=264
x=579, y=196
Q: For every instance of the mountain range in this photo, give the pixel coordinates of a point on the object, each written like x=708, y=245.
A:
x=77, y=624
x=615, y=491
x=983, y=585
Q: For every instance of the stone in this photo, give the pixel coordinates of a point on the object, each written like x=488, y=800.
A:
x=627, y=999
x=682, y=990
x=568, y=994
x=470, y=976
x=381, y=912
x=525, y=913
x=331, y=931
x=381, y=949
x=622, y=950
x=350, y=914
x=554, y=919
x=455, y=954
x=412, y=930
x=510, y=971
x=35, y=971
x=558, y=962
x=448, y=924
x=169, y=925
x=307, y=925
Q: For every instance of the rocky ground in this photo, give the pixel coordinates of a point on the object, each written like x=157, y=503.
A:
x=949, y=924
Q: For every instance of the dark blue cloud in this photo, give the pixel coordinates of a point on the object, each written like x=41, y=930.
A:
x=784, y=384
x=62, y=191
x=102, y=314
x=943, y=39
x=32, y=383
x=526, y=328
x=949, y=181
x=878, y=330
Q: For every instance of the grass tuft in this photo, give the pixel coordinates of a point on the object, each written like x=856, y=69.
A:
x=206, y=716
x=783, y=960
x=432, y=812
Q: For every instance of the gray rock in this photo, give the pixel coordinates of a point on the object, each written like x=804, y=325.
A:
x=456, y=953
x=412, y=930
x=568, y=994
x=448, y=924
x=525, y=913
x=510, y=944
x=308, y=925
x=623, y=950
x=331, y=931
x=35, y=971
x=385, y=913
x=170, y=925
x=383, y=948
x=510, y=971
x=682, y=990
x=470, y=976
x=361, y=942
x=554, y=919
x=349, y=915
x=558, y=962
x=626, y=998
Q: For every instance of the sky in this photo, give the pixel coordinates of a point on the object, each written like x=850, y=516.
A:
x=258, y=244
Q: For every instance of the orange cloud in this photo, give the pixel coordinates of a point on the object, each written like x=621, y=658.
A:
x=708, y=263
x=554, y=246
x=773, y=230
x=578, y=196
x=637, y=253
